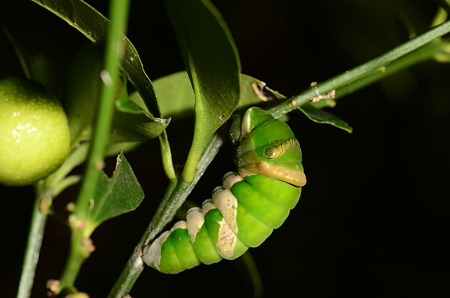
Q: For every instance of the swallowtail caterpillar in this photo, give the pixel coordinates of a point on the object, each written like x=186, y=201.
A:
x=244, y=211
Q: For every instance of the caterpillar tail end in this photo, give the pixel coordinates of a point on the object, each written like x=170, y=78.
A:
x=152, y=253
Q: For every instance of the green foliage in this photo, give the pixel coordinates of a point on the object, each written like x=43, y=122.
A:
x=212, y=63
x=82, y=91
x=176, y=97
x=210, y=90
x=131, y=123
x=94, y=26
x=114, y=196
x=324, y=117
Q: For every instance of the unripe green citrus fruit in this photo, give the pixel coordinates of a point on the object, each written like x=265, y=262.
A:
x=34, y=133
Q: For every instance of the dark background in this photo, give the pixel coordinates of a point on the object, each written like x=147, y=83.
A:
x=373, y=219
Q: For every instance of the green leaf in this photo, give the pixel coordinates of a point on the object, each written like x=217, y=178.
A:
x=114, y=196
x=94, y=26
x=323, y=117
x=82, y=90
x=176, y=98
x=175, y=95
x=312, y=110
x=445, y=4
x=212, y=62
x=255, y=91
x=131, y=123
x=113, y=148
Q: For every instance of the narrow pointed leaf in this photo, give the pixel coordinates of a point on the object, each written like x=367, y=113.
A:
x=323, y=117
x=212, y=62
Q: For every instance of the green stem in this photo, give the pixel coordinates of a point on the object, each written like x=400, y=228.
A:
x=166, y=155
x=375, y=65
x=48, y=188
x=134, y=266
x=80, y=16
x=34, y=243
x=95, y=163
x=17, y=51
x=422, y=54
x=176, y=194
x=76, y=157
x=77, y=255
x=110, y=74
x=65, y=183
x=252, y=270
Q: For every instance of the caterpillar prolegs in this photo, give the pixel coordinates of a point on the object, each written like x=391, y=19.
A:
x=244, y=211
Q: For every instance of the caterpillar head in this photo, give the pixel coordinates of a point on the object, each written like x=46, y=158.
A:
x=267, y=146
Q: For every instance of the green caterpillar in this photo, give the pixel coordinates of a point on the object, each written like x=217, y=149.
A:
x=244, y=211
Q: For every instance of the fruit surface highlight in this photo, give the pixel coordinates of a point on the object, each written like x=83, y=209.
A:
x=34, y=133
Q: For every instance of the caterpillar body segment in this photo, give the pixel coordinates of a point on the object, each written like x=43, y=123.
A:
x=246, y=209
